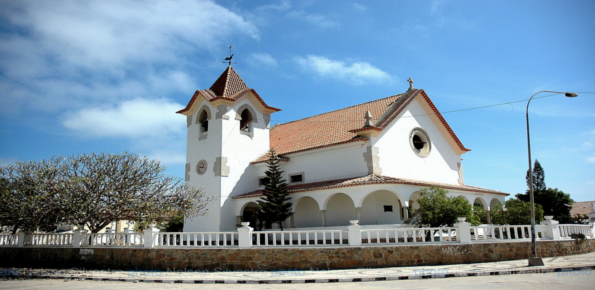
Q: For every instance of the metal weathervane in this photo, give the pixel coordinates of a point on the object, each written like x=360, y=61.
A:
x=228, y=59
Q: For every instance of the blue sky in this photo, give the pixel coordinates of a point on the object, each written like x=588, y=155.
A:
x=108, y=76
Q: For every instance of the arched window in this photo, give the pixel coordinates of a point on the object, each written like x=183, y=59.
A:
x=246, y=121
x=203, y=119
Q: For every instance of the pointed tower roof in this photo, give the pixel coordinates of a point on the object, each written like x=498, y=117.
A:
x=228, y=84
x=228, y=87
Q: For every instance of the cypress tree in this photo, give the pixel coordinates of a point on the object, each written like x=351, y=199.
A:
x=275, y=205
x=538, y=177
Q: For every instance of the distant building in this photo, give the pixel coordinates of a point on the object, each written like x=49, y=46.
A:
x=583, y=208
x=366, y=162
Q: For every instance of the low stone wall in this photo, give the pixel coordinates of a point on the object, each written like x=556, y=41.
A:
x=281, y=258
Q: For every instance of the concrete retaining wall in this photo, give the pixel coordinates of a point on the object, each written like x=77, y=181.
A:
x=281, y=258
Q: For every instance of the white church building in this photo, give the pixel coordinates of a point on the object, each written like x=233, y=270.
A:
x=367, y=162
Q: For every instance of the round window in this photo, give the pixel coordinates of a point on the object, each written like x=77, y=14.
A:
x=420, y=142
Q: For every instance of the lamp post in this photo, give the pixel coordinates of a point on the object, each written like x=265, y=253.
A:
x=534, y=260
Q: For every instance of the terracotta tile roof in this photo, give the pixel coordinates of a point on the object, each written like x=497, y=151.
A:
x=581, y=207
x=368, y=180
x=340, y=126
x=229, y=86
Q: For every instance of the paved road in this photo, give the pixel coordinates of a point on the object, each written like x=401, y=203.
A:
x=578, y=280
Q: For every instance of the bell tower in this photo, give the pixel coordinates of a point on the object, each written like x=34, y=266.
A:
x=227, y=128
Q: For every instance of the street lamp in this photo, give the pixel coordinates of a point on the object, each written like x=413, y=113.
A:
x=534, y=260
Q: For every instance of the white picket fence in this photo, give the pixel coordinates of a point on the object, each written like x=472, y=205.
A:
x=299, y=238
x=113, y=239
x=48, y=240
x=567, y=230
x=497, y=232
x=411, y=235
x=9, y=239
x=355, y=235
x=211, y=239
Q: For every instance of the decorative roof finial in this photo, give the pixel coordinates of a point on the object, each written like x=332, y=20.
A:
x=228, y=59
x=368, y=118
x=410, y=84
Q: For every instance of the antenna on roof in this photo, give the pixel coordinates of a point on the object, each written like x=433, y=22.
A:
x=228, y=59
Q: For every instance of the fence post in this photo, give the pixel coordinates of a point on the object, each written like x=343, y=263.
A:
x=355, y=233
x=151, y=239
x=245, y=235
x=552, y=231
x=463, y=231
x=77, y=238
x=21, y=239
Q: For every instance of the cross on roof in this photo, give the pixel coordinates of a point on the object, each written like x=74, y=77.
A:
x=410, y=83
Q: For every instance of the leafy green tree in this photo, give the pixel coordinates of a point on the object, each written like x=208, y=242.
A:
x=517, y=212
x=479, y=214
x=275, y=206
x=30, y=199
x=436, y=209
x=175, y=223
x=554, y=201
x=93, y=190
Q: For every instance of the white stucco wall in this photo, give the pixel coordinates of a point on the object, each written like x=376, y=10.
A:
x=324, y=164
x=372, y=212
x=397, y=158
x=307, y=213
x=340, y=209
x=207, y=149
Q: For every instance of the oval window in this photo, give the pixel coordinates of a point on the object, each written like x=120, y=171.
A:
x=420, y=142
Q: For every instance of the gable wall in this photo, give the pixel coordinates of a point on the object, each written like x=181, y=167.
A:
x=397, y=158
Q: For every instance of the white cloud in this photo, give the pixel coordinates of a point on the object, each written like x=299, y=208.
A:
x=435, y=6
x=105, y=33
x=314, y=19
x=353, y=73
x=282, y=6
x=258, y=59
x=57, y=54
x=151, y=125
x=591, y=159
x=111, y=64
x=359, y=7
x=134, y=118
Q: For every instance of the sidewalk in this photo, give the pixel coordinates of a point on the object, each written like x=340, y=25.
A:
x=566, y=265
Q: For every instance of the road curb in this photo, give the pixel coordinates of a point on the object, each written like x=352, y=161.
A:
x=164, y=280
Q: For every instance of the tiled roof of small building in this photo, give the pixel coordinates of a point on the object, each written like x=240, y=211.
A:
x=369, y=180
x=228, y=86
x=581, y=207
x=341, y=126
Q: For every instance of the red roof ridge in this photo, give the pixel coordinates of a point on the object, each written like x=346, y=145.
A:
x=355, y=139
x=337, y=110
x=443, y=121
